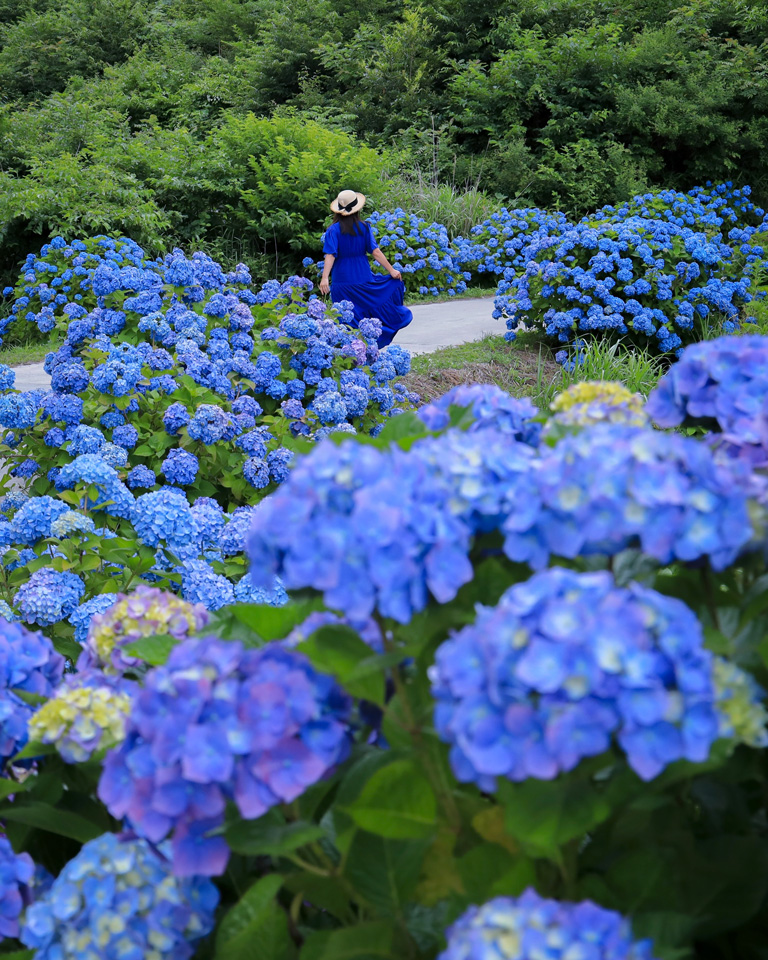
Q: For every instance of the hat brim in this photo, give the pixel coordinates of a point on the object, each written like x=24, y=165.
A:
x=335, y=208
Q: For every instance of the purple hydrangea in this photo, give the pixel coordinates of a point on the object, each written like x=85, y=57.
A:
x=256, y=727
x=563, y=665
x=529, y=926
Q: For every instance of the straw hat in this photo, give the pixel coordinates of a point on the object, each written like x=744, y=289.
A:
x=348, y=202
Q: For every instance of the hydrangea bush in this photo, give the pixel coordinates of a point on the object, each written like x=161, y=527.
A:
x=492, y=687
x=179, y=398
x=656, y=271
x=498, y=243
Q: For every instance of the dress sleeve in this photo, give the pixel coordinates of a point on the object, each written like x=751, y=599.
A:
x=331, y=242
x=370, y=240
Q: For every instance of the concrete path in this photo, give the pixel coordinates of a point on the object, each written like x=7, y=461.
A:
x=434, y=325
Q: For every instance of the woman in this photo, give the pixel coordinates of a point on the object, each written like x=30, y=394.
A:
x=347, y=273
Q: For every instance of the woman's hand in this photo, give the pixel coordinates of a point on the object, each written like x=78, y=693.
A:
x=325, y=286
x=395, y=274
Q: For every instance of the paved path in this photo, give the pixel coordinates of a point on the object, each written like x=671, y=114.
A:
x=434, y=325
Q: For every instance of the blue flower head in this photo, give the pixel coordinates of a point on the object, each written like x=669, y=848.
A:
x=119, y=898
x=565, y=664
x=528, y=926
x=16, y=874
x=490, y=407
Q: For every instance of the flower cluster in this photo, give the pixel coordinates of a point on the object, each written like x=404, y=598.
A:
x=145, y=612
x=117, y=898
x=384, y=529
x=256, y=727
x=489, y=406
x=530, y=926
x=743, y=717
x=652, y=277
x=422, y=251
x=722, y=384
x=602, y=490
x=497, y=244
x=87, y=713
x=562, y=665
x=16, y=873
x=28, y=663
x=589, y=402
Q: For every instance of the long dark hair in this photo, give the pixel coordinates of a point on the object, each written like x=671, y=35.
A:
x=350, y=223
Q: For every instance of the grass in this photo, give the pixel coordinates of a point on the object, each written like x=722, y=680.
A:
x=412, y=299
x=20, y=354
x=526, y=367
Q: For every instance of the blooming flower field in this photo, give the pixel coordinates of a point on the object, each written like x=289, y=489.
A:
x=284, y=675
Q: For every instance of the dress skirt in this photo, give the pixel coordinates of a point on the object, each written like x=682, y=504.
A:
x=379, y=297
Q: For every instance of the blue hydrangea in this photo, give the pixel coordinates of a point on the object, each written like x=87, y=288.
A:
x=490, y=406
x=114, y=455
x=256, y=472
x=33, y=520
x=89, y=470
x=27, y=662
x=211, y=424
x=85, y=439
x=564, y=665
x=117, y=899
x=375, y=529
x=612, y=487
x=140, y=477
x=201, y=584
x=232, y=539
x=48, y=596
x=18, y=411
x=16, y=875
x=226, y=736
x=529, y=926
x=180, y=467
x=175, y=417
x=125, y=435
x=209, y=518
x=246, y=592
x=164, y=516
x=81, y=616
x=70, y=522
x=722, y=384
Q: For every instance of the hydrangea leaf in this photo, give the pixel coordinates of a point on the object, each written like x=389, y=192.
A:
x=264, y=837
x=274, y=623
x=397, y=802
x=152, y=650
x=367, y=941
x=544, y=815
x=64, y=823
x=339, y=651
x=256, y=926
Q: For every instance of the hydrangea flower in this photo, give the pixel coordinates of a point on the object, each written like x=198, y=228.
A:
x=81, y=616
x=589, y=402
x=256, y=727
x=118, y=898
x=743, y=716
x=27, y=662
x=164, y=516
x=564, y=664
x=16, y=873
x=48, y=596
x=87, y=713
x=521, y=928
x=180, y=467
x=611, y=487
x=145, y=612
x=722, y=384
x=490, y=407
x=384, y=529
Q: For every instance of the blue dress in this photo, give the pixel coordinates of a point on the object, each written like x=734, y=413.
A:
x=352, y=279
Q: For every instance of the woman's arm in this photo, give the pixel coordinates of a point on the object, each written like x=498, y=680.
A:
x=325, y=283
x=379, y=257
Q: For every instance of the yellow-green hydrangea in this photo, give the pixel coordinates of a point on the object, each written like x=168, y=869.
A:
x=739, y=701
x=146, y=612
x=598, y=401
x=81, y=719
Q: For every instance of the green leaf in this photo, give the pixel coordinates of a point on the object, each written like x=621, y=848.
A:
x=489, y=870
x=545, y=814
x=367, y=941
x=19, y=955
x=339, y=651
x=397, y=802
x=64, y=823
x=152, y=650
x=67, y=647
x=403, y=429
x=262, y=837
x=274, y=623
x=256, y=928
x=384, y=873
x=32, y=750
